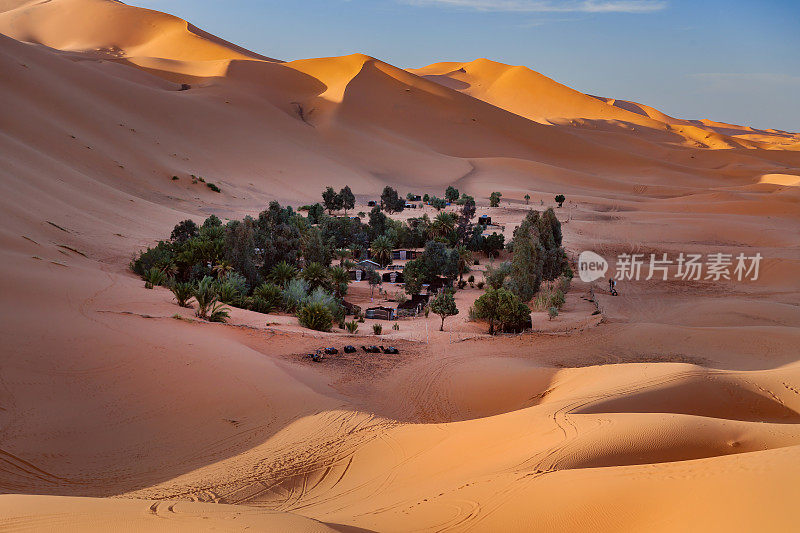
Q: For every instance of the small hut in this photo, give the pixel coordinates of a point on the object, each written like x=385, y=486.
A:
x=380, y=313
x=402, y=255
x=392, y=277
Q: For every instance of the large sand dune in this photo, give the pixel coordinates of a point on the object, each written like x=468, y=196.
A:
x=679, y=410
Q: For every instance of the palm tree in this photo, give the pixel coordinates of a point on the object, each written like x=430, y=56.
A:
x=382, y=250
x=282, y=273
x=316, y=274
x=340, y=279
x=464, y=261
x=442, y=226
x=342, y=254
x=222, y=268
x=206, y=295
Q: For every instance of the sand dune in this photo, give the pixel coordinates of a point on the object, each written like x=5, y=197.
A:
x=674, y=408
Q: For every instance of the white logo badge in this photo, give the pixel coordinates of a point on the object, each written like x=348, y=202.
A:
x=591, y=266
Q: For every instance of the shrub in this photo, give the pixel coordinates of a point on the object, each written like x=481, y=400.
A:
x=294, y=294
x=153, y=277
x=205, y=293
x=361, y=320
x=564, y=283
x=471, y=280
x=438, y=203
x=267, y=297
x=396, y=326
x=160, y=256
x=282, y=273
x=502, y=309
x=316, y=316
x=218, y=313
x=232, y=288
x=174, y=178
x=351, y=327
x=183, y=292
x=550, y=295
x=496, y=276
x=377, y=329
x=480, y=284
x=552, y=312
x=321, y=296
x=557, y=299
x=462, y=284
x=213, y=187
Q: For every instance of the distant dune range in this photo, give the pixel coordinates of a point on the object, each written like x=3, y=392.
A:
x=680, y=411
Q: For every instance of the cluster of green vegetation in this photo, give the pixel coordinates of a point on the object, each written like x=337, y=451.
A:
x=333, y=201
x=537, y=256
x=284, y=261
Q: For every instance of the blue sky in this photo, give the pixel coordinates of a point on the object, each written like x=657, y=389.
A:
x=733, y=61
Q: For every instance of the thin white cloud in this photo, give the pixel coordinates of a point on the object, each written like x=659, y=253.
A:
x=550, y=6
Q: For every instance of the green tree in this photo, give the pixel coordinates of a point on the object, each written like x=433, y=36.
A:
x=314, y=247
x=464, y=261
x=342, y=254
x=391, y=201
x=494, y=199
x=183, y=231
x=316, y=213
x=414, y=275
x=442, y=226
x=560, y=199
x=439, y=260
x=451, y=194
x=340, y=279
x=240, y=246
x=374, y=280
x=493, y=244
x=348, y=198
x=378, y=221
x=528, y=259
x=381, y=249
x=444, y=305
x=501, y=309
x=527, y=198
x=332, y=200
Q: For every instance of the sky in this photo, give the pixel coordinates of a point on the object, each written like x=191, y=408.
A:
x=732, y=61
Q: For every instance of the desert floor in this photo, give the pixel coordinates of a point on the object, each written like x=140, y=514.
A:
x=675, y=408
